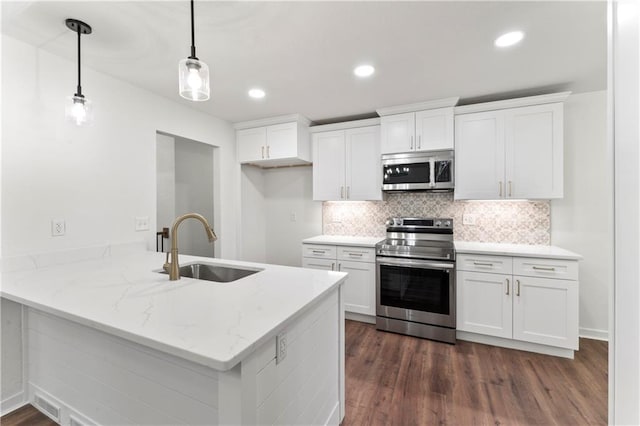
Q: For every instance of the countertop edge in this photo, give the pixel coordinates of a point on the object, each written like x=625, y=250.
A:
x=560, y=253
x=339, y=240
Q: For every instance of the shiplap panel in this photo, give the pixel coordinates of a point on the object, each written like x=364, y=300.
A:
x=197, y=382
x=98, y=374
x=306, y=381
x=133, y=387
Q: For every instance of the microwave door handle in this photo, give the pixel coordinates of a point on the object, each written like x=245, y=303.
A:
x=432, y=172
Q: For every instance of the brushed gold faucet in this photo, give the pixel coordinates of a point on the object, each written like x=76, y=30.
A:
x=172, y=266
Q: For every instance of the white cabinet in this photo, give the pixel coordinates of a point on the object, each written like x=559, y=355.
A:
x=359, y=289
x=532, y=300
x=281, y=143
x=514, y=153
x=417, y=131
x=346, y=164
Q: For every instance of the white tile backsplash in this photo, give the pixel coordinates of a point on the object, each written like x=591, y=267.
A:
x=514, y=222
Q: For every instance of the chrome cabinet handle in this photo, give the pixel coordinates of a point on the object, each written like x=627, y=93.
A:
x=268, y=154
x=318, y=251
x=342, y=192
x=507, y=287
x=419, y=141
x=263, y=152
x=348, y=196
x=355, y=254
x=333, y=266
x=540, y=268
x=500, y=195
x=509, y=188
x=518, y=284
x=482, y=264
x=339, y=266
x=411, y=143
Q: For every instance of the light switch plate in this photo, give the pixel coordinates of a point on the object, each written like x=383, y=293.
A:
x=281, y=347
x=469, y=219
x=142, y=223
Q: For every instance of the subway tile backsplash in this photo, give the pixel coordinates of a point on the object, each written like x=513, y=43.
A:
x=514, y=222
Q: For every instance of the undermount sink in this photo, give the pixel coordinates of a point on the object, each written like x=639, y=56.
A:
x=208, y=272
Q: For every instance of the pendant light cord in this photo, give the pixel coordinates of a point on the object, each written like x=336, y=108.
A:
x=193, y=35
x=79, y=86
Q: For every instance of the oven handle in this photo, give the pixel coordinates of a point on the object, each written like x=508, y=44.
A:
x=424, y=264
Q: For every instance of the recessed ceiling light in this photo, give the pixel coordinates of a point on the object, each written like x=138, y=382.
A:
x=256, y=93
x=509, y=39
x=364, y=70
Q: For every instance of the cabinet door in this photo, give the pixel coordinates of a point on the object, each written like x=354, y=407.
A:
x=363, y=167
x=533, y=148
x=397, y=133
x=479, y=156
x=251, y=144
x=282, y=140
x=324, y=264
x=329, y=166
x=434, y=129
x=360, y=288
x=484, y=303
x=545, y=311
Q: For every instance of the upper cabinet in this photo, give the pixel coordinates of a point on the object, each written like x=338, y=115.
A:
x=425, y=126
x=280, y=141
x=510, y=153
x=346, y=162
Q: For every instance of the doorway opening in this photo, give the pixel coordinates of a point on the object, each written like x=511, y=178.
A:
x=185, y=184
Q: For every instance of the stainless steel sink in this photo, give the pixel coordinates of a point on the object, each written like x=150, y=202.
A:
x=205, y=271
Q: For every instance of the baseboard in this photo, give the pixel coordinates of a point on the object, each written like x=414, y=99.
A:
x=13, y=403
x=595, y=334
x=370, y=319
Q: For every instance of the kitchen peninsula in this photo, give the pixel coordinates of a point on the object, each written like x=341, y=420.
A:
x=112, y=341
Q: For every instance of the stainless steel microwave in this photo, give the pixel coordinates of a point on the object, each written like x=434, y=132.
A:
x=418, y=171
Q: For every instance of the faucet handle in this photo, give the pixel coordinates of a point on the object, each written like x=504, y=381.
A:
x=166, y=265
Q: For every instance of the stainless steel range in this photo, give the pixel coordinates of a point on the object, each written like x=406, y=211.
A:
x=415, y=279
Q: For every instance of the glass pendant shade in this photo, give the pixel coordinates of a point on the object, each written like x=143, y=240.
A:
x=193, y=79
x=78, y=110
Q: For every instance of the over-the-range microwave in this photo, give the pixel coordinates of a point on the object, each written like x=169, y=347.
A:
x=418, y=171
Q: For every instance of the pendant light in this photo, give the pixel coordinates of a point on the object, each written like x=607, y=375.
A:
x=78, y=108
x=193, y=74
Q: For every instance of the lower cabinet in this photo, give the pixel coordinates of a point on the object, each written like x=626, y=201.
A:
x=531, y=300
x=359, y=290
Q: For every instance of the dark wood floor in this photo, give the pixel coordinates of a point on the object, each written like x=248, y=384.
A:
x=400, y=380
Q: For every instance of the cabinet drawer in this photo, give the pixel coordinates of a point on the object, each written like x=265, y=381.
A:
x=324, y=264
x=484, y=263
x=357, y=254
x=319, y=251
x=546, y=268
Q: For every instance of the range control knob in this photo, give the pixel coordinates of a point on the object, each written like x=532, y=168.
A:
x=447, y=223
x=438, y=223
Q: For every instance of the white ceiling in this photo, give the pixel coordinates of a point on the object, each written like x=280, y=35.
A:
x=302, y=53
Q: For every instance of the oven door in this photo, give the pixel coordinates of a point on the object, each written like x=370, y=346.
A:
x=416, y=290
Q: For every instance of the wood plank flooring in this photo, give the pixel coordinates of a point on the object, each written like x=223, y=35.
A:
x=401, y=380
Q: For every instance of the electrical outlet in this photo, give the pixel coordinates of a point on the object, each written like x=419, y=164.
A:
x=281, y=347
x=142, y=223
x=293, y=217
x=58, y=227
x=469, y=219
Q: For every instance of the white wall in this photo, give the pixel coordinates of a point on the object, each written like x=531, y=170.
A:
x=99, y=178
x=269, y=199
x=582, y=221
x=194, y=193
x=253, y=217
x=289, y=191
x=624, y=355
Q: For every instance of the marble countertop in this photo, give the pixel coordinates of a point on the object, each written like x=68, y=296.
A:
x=519, y=250
x=341, y=240
x=213, y=324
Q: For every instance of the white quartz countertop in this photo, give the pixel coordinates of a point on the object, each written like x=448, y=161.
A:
x=518, y=250
x=210, y=323
x=341, y=240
